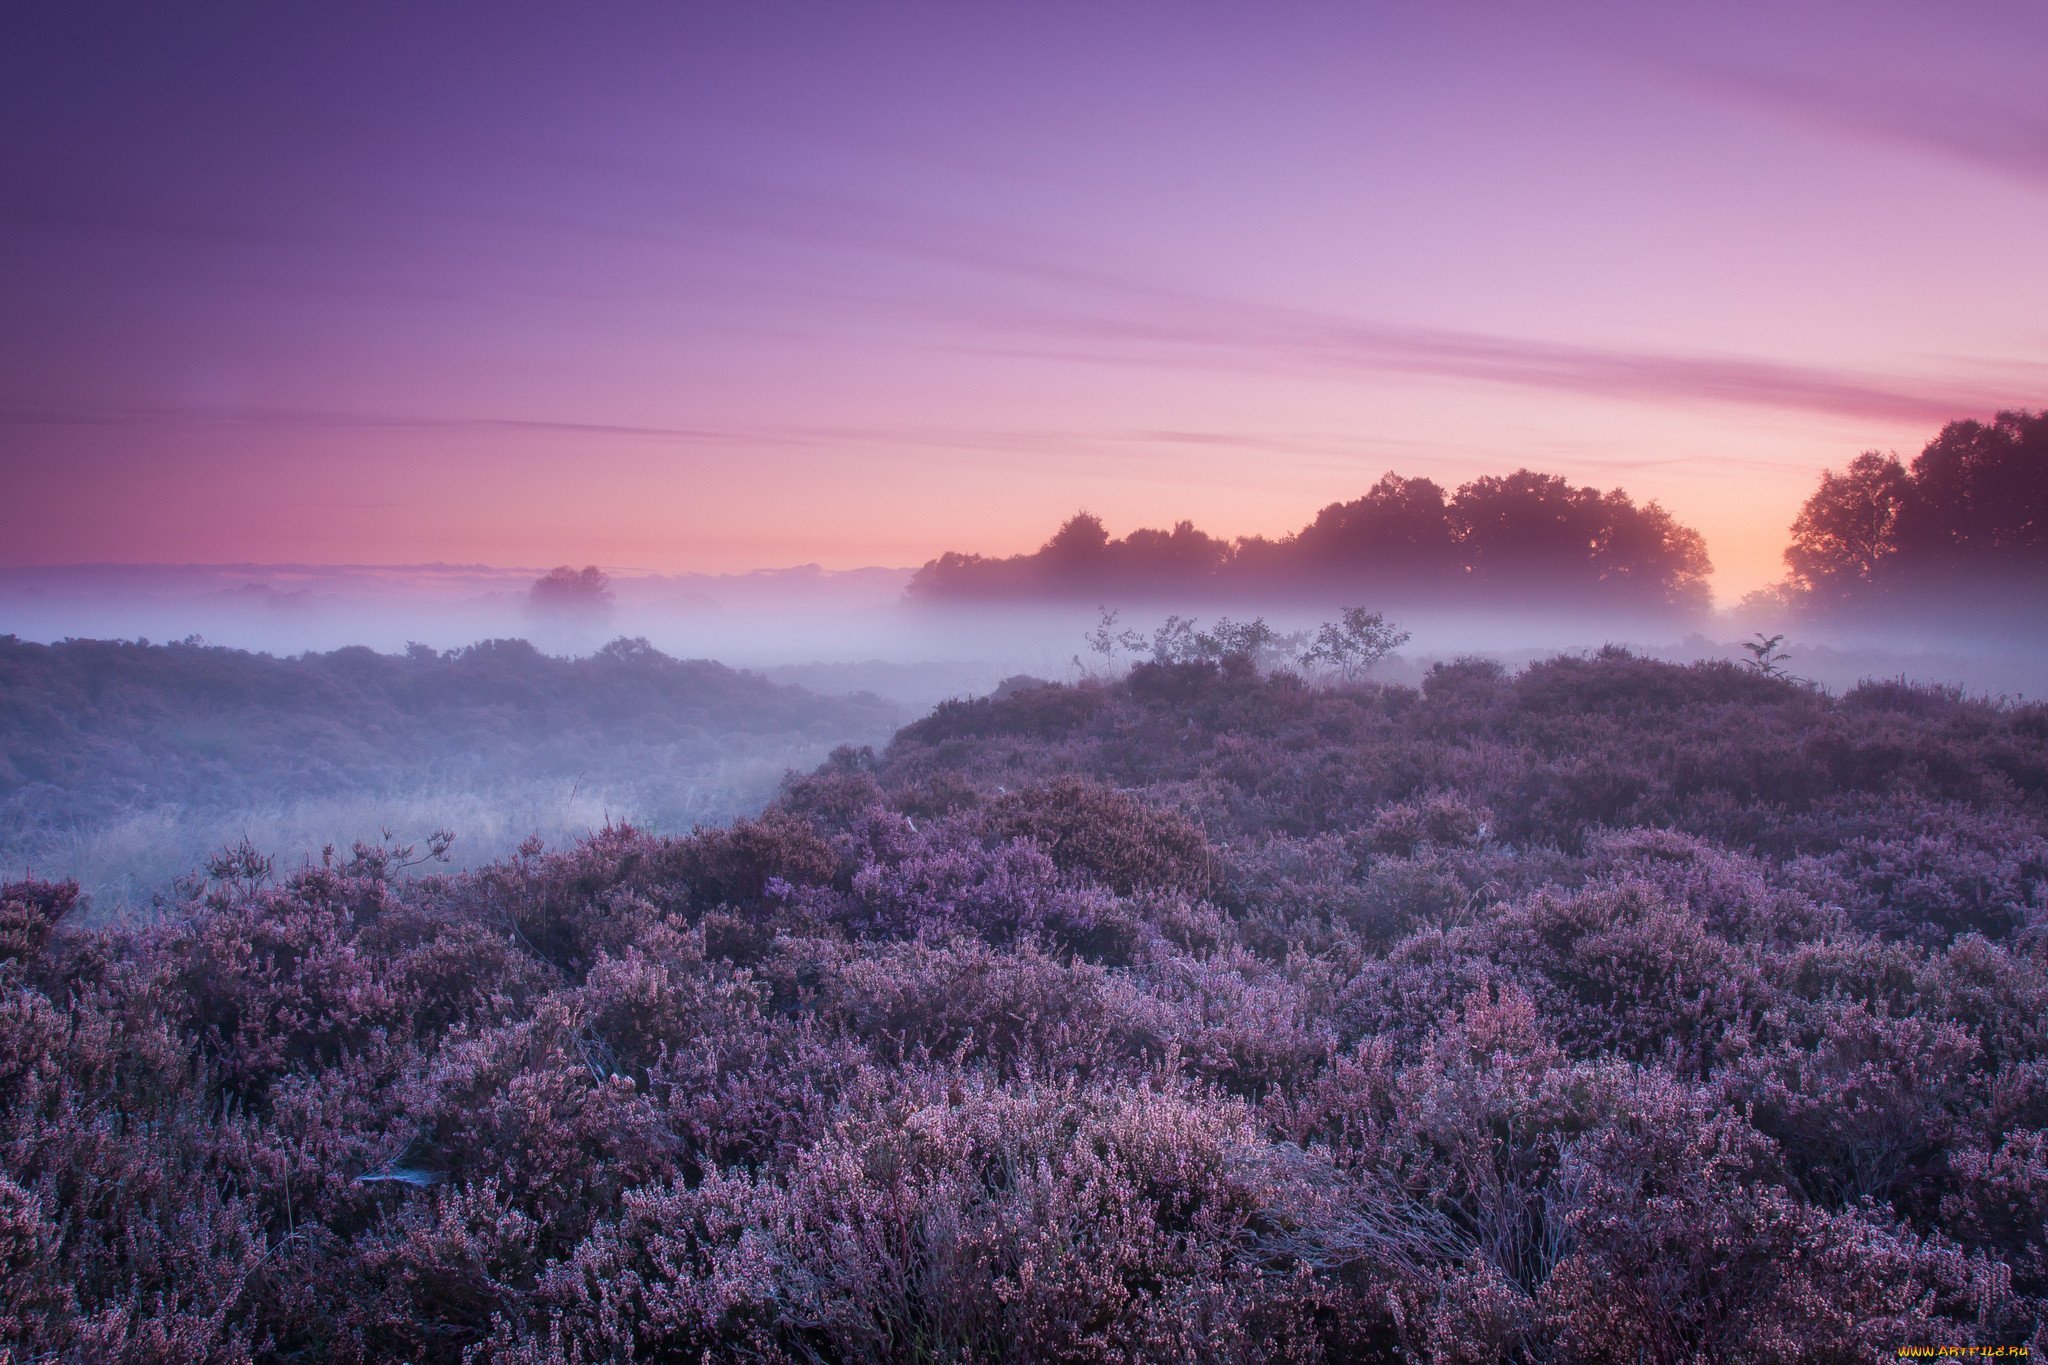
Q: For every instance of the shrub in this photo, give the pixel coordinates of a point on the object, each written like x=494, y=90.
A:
x=1106, y=835
x=1616, y=1011
x=1440, y=820
x=29, y=913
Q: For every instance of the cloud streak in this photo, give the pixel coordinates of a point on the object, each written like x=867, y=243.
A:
x=1135, y=449
x=2011, y=142
x=1994, y=119
x=308, y=419
x=1271, y=339
x=1092, y=310
x=1112, y=317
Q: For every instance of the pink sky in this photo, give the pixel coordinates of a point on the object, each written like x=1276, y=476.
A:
x=711, y=287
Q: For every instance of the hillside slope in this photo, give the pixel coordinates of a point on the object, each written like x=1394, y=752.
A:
x=1612, y=1011
x=116, y=756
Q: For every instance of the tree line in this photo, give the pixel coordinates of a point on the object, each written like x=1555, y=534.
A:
x=1964, y=527
x=1525, y=536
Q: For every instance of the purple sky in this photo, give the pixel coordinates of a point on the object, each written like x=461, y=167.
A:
x=712, y=286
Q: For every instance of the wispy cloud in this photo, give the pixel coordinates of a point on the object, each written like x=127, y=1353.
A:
x=312, y=419
x=1103, y=314
x=999, y=290
x=1135, y=451
x=1977, y=130
x=1960, y=82
x=1244, y=336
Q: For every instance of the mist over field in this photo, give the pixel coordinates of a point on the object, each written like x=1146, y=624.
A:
x=854, y=631
x=1378, y=942
x=827, y=664
x=126, y=765
x=860, y=654
x=917, y=683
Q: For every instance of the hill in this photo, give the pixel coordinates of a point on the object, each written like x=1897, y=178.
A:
x=127, y=762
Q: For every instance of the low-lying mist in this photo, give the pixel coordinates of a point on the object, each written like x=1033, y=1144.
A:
x=301, y=708
x=123, y=765
x=842, y=632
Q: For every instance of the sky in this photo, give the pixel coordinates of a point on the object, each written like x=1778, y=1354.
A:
x=716, y=286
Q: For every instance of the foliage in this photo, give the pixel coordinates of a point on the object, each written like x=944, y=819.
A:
x=1612, y=1010
x=1523, y=538
x=1253, y=643
x=1107, y=642
x=1765, y=656
x=1847, y=530
x=1353, y=643
x=565, y=591
x=1965, y=527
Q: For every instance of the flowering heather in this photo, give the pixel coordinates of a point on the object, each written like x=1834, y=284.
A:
x=1611, y=1011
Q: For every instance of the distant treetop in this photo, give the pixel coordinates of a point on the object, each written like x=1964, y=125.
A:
x=567, y=592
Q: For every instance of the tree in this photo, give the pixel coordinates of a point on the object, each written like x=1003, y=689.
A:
x=1107, y=641
x=1963, y=532
x=1977, y=502
x=1643, y=555
x=1398, y=533
x=954, y=574
x=1354, y=642
x=1174, y=641
x=1848, y=530
x=1173, y=558
x=1528, y=533
x=1179, y=641
x=1078, y=543
x=1251, y=640
x=1526, y=536
x=571, y=595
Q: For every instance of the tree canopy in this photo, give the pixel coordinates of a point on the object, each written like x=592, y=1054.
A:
x=567, y=592
x=1971, y=513
x=1525, y=537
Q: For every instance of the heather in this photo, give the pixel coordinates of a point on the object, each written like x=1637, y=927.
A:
x=1612, y=1010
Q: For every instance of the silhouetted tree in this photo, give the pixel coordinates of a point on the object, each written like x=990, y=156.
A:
x=1182, y=555
x=566, y=595
x=1399, y=533
x=955, y=575
x=1108, y=642
x=1535, y=535
x=1527, y=536
x=1964, y=531
x=1077, y=543
x=1848, y=528
x=1977, y=503
x=1354, y=642
x=1253, y=643
x=1646, y=557
x=1527, y=533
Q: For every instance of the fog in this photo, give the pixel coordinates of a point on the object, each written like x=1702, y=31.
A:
x=847, y=631
x=125, y=769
